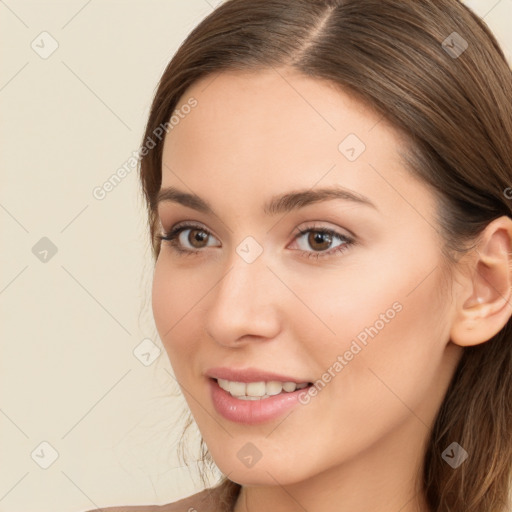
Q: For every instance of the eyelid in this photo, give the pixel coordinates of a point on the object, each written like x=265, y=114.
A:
x=178, y=228
x=348, y=240
x=319, y=225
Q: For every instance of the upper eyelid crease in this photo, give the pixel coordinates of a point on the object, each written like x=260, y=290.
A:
x=278, y=204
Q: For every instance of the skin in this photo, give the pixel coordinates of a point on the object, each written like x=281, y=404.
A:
x=357, y=445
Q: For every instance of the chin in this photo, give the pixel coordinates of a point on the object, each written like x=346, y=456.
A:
x=262, y=473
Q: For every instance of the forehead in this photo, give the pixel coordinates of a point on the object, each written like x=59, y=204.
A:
x=258, y=133
x=275, y=110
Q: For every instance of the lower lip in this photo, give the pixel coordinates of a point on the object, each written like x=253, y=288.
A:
x=251, y=412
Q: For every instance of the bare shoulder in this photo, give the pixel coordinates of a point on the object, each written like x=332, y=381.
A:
x=204, y=501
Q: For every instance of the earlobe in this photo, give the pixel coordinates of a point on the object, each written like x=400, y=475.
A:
x=484, y=303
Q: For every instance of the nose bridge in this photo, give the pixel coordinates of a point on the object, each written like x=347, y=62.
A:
x=246, y=272
x=241, y=303
x=244, y=284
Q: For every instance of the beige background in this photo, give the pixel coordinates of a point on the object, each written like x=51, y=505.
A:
x=71, y=370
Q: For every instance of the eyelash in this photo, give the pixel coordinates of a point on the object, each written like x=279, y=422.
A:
x=172, y=236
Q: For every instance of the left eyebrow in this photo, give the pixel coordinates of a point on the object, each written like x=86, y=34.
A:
x=277, y=204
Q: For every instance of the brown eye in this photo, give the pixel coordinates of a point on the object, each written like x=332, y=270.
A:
x=319, y=240
x=196, y=236
x=316, y=242
x=187, y=243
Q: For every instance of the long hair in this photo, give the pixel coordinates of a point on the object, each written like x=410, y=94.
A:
x=434, y=71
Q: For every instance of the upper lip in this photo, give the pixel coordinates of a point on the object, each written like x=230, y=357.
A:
x=250, y=375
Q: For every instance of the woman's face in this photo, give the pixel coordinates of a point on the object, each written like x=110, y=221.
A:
x=362, y=313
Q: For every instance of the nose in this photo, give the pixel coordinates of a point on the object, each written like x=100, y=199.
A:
x=244, y=304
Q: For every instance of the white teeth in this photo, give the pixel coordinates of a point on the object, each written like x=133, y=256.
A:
x=289, y=386
x=255, y=389
x=237, y=388
x=273, y=387
x=258, y=390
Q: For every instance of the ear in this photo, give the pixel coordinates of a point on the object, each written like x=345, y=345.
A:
x=484, y=305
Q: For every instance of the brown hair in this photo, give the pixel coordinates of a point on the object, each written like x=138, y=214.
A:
x=403, y=59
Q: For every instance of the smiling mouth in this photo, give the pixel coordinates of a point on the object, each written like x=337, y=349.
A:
x=259, y=390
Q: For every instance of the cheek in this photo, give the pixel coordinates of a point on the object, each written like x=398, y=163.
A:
x=385, y=315
x=174, y=300
x=162, y=300
x=392, y=289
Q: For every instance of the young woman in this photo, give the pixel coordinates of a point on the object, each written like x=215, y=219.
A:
x=330, y=210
